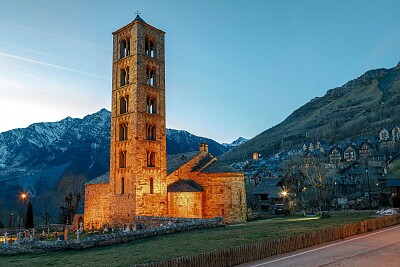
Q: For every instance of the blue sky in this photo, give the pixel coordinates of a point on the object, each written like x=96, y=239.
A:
x=234, y=68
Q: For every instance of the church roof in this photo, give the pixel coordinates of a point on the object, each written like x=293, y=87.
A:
x=185, y=185
x=102, y=179
x=176, y=161
x=138, y=18
x=217, y=167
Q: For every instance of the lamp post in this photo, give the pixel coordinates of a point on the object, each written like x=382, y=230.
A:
x=22, y=197
x=284, y=195
x=369, y=188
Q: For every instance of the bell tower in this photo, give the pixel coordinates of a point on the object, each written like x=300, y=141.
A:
x=138, y=127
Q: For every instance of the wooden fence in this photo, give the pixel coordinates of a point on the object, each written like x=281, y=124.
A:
x=251, y=252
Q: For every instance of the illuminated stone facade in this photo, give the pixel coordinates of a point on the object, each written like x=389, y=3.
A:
x=141, y=182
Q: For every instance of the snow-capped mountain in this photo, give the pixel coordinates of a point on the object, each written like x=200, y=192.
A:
x=179, y=141
x=36, y=157
x=235, y=143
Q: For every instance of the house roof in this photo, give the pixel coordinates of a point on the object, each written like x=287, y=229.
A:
x=102, y=179
x=268, y=186
x=176, y=161
x=393, y=182
x=185, y=185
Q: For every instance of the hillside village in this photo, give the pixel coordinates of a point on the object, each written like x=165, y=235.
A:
x=350, y=174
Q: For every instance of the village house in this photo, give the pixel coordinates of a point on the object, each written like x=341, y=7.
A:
x=350, y=153
x=266, y=194
x=335, y=155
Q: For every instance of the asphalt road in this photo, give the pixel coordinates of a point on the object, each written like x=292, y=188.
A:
x=378, y=248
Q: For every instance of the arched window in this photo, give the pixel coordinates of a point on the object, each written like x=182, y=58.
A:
x=123, y=104
x=149, y=48
x=151, y=186
x=123, y=132
x=124, y=79
x=122, y=159
x=122, y=185
x=150, y=132
x=124, y=48
x=151, y=159
x=150, y=76
x=151, y=105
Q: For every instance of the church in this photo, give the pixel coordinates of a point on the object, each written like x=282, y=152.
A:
x=143, y=180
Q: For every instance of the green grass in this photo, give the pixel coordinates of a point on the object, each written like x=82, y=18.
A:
x=184, y=243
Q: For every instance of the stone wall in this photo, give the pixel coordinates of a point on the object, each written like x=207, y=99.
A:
x=96, y=205
x=162, y=226
x=224, y=195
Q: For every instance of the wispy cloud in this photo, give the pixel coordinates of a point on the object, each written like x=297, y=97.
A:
x=52, y=35
x=52, y=65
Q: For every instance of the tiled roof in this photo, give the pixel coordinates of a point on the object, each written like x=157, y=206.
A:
x=268, y=186
x=218, y=167
x=176, y=161
x=185, y=185
x=202, y=163
x=102, y=179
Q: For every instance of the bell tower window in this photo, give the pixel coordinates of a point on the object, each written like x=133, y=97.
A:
x=124, y=48
x=124, y=79
x=122, y=159
x=122, y=185
x=151, y=159
x=123, y=104
x=150, y=132
x=123, y=132
x=150, y=76
x=151, y=105
x=149, y=48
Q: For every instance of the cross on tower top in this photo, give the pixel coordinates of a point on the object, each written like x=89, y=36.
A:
x=138, y=13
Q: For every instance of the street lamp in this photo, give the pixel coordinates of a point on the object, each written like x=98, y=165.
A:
x=369, y=189
x=284, y=194
x=22, y=196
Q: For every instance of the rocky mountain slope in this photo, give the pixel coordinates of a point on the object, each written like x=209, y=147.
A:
x=359, y=107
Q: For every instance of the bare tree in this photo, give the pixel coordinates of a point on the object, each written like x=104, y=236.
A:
x=71, y=190
x=295, y=181
x=45, y=204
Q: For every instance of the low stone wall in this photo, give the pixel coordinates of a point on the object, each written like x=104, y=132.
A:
x=251, y=252
x=154, y=222
x=33, y=245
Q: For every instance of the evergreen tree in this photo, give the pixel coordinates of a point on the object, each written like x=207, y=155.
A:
x=29, y=216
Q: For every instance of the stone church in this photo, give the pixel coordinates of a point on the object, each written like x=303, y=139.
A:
x=143, y=180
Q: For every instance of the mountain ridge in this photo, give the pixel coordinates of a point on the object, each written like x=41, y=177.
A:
x=358, y=108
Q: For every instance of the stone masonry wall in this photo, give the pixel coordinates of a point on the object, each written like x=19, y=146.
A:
x=163, y=226
x=96, y=205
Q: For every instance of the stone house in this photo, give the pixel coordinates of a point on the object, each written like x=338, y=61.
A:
x=266, y=194
x=366, y=150
x=350, y=153
x=395, y=133
x=142, y=180
x=335, y=155
x=385, y=134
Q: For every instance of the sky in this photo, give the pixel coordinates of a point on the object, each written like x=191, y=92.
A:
x=233, y=68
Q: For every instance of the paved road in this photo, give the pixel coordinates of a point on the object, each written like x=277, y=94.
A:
x=378, y=248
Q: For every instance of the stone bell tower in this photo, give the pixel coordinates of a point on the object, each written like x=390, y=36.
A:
x=138, y=127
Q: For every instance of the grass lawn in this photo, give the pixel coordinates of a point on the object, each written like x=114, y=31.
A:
x=184, y=243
